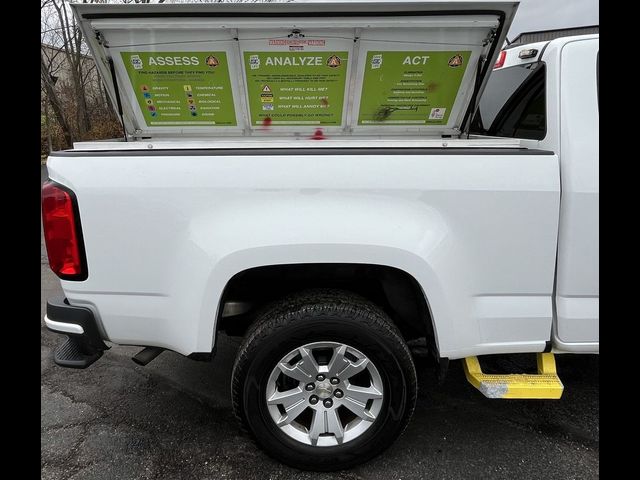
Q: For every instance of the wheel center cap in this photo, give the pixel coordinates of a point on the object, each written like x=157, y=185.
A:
x=324, y=389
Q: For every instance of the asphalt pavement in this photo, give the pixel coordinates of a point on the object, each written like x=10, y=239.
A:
x=172, y=420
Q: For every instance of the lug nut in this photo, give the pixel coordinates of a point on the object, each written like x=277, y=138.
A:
x=310, y=386
x=328, y=403
x=313, y=400
x=338, y=393
x=335, y=381
x=320, y=377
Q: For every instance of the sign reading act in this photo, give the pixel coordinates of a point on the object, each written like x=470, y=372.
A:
x=410, y=88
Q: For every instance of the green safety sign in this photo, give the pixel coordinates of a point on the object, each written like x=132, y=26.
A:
x=182, y=88
x=296, y=88
x=410, y=88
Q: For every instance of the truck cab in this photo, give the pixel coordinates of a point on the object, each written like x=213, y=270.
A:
x=546, y=95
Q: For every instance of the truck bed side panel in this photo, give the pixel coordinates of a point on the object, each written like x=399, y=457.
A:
x=165, y=232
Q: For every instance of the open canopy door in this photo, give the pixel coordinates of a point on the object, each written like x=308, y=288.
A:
x=348, y=68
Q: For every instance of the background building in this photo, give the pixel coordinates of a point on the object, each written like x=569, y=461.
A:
x=542, y=35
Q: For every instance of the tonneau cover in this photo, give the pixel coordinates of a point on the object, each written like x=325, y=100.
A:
x=312, y=69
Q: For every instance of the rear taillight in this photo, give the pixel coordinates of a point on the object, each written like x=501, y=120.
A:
x=501, y=59
x=62, y=233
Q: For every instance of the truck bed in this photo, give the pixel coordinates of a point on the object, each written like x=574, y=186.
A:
x=166, y=228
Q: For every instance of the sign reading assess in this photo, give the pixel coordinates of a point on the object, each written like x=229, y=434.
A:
x=182, y=88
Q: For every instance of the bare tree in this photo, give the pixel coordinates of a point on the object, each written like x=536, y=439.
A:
x=61, y=56
x=53, y=99
x=72, y=48
x=71, y=88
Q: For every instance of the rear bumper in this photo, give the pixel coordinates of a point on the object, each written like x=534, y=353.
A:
x=84, y=345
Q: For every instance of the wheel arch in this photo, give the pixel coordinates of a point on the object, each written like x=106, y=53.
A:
x=393, y=289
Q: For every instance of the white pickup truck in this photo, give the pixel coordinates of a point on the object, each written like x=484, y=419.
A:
x=333, y=182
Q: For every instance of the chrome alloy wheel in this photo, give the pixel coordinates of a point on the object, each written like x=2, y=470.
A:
x=324, y=394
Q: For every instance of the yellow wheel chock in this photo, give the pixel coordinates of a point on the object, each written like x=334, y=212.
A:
x=543, y=385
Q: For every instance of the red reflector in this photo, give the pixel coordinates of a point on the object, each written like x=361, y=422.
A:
x=62, y=233
x=501, y=59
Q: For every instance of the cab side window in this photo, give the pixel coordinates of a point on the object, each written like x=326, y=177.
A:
x=513, y=104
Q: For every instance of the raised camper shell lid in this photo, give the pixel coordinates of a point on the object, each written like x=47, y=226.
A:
x=346, y=68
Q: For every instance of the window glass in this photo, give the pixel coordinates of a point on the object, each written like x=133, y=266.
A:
x=513, y=103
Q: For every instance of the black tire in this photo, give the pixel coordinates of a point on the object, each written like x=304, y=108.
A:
x=323, y=315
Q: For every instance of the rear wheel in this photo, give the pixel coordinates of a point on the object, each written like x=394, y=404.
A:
x=324, y=381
